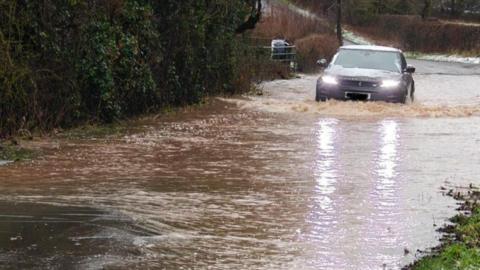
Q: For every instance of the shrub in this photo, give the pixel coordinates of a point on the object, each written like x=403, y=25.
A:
x=413, y=34
x=314, y=47
x=282, y=22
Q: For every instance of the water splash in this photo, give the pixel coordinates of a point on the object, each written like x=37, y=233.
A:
x=357, y=109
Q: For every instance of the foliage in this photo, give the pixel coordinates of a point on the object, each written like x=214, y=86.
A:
x=463, y=253
x=65, y=62
x=13, y=152
x=455, y=257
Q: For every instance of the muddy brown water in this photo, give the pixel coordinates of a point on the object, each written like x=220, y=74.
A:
x=270, y=182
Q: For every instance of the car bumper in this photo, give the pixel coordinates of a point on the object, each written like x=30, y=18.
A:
x=338, y=92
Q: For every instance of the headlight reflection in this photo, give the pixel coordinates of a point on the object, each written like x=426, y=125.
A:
x=387, y=159
x=325, y=171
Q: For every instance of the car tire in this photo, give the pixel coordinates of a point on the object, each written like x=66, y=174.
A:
x=412, y=93
x=318, y=98
x=404, y=98
x=410, y=96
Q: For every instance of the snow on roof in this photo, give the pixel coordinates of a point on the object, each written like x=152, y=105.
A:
x=370, y=47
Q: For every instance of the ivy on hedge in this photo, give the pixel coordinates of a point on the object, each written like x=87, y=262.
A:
x=64, y=62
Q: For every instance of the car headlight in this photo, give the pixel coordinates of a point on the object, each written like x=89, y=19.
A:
x=390, y=83
x=329, y=80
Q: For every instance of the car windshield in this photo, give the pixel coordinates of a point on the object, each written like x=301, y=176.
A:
x=368, y=59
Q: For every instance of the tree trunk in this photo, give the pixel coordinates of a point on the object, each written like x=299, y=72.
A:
x=253, y=19
x=339, y=22
x=426, y=9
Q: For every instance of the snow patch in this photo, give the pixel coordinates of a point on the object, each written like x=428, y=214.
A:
x=5, y=162
x=303, y=12
x=444, y=58
x=355, y=38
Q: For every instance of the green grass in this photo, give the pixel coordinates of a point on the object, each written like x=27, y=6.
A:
x=95, y=131
x=453, y=257
x=461, y=253
x=15, y=153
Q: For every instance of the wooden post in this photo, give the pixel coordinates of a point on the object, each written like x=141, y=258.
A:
x=339, y=22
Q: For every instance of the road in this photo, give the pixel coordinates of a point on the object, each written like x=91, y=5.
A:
x=265, y=182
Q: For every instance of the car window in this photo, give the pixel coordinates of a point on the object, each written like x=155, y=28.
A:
x=368, y=59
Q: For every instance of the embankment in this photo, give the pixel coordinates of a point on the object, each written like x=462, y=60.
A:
x=460, y=248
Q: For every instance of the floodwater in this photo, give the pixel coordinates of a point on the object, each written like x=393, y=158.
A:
x=269, y=182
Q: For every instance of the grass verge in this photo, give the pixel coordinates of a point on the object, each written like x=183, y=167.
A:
x=460, y=248
x=11, y=151
x=95, y=131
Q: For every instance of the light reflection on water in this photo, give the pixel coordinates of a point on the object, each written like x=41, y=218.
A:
x=387, y=156
x=325, y=171
x=340, y=194
x=384, y=223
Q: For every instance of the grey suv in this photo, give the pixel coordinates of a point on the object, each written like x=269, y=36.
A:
x=359, y=72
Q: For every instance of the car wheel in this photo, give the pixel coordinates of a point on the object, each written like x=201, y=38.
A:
x=321, y=99
x=318, y=98
x=412, y=93
x=404, y=98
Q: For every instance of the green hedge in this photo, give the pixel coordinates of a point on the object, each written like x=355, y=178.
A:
x=68, y=61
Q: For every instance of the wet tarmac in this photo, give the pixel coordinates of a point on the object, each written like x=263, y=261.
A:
x=270, y=182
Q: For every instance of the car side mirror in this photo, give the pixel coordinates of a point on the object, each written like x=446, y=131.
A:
x=322, y=62
x=410, y=69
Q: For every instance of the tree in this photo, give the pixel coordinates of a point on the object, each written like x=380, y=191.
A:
x=426, y=9
x=452, y=7
x=339, y=22
x=403, y=7
x=380, y=6
x=254, y=17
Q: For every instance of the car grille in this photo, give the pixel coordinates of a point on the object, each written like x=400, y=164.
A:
x=356, y=83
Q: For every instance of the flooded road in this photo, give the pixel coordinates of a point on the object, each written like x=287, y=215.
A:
x=270, y=182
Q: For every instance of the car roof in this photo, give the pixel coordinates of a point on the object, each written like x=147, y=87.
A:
x=370, y=48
